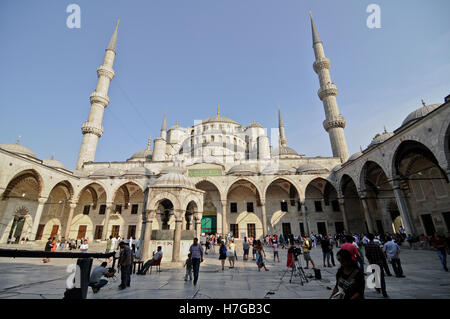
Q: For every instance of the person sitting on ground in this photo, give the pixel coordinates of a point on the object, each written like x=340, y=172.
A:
x=350, y=283
x=156, y=256
x=95, y=280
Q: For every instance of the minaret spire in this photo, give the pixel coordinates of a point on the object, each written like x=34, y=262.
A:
x=92, y=129
x=164, y=126
x=218, y=110
x=283, y=139
x=149, y=143
x=334, y=122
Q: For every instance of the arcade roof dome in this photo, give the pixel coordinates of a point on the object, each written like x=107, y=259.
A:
x=18, y=149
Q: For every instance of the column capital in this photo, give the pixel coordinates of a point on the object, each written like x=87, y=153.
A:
x=363, y=194
x=341, y=201
x=73, y=205
x=42, y=200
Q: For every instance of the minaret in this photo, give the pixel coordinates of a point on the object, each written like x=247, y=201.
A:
x=334, y=123
x=159, y=144
x=92, y=129
x=282, y=138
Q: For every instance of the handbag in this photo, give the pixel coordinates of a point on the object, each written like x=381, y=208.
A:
x=230, y=253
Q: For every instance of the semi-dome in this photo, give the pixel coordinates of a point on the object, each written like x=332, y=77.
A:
x=18, y=149
x=381, y=138
x=243, y=169
x=354, y=156
x=311, y=168
x=419, y=113
x=173, y=180
x=284, y=150
x=80, y=173
x=106, y=172
x=53, y=163
x=144, y=155
x=138, y=171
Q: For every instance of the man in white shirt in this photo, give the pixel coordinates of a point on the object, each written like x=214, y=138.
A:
x=156, y=256
x=84, y=247
x=95, y=280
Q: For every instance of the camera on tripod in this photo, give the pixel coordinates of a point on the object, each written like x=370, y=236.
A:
x=297, y=251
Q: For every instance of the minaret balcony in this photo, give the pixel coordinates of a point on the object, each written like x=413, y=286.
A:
x=95, y=97
x=327, y=90
x=321, y=63
x=106, y=71
x=335, y=122
x=92, y=128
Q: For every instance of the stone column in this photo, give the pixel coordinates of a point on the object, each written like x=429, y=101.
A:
x=146, y=234
x=344, y=215
x=403, y=208
x=37, y=217
x=224, y=217
x=109, y=207
x=367, y=216
x=387, y=220
x=72, y=205
x=305, y=218
x=264, y=218
x=198, y=225
x=177, y=236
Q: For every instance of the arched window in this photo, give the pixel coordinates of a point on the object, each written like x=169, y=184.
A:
x=438, y=183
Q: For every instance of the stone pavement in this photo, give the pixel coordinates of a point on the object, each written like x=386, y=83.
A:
x=28, y=278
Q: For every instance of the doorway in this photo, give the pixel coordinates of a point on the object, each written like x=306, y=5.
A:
x=428, y=224
x=81, y=231
x=322, y=228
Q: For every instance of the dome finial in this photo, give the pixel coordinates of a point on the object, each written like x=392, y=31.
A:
x=385, y=131
x=423, y=103
x=18, y=139
x=53, y=156
x=218, y=110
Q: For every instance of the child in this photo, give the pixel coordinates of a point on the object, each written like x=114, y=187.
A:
x=275, y=251
x=188, y=265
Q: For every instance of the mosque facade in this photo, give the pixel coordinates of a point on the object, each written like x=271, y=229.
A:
x=219, y=176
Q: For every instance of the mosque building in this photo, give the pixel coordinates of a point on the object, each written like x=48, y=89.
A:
x=221, y=176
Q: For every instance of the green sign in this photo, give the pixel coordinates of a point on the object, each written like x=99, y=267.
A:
x=209, y=224
x=204, y=172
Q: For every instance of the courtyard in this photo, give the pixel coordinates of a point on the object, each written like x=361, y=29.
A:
x=27, y=278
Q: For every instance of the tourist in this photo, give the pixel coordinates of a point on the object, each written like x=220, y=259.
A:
x=196, y=251
x=231, y=253
x=254, y=250
x=157, y=256
x=438, y=242
x=84, y=247
x=125, y=261
x=113, y=242
x=245, y=247
x=275, y=251
x=360, y=258
x=306, y=245
x=392, y=252
x=47, y=249
x=261, y=254
x=348, y=245
x=350, y=282
x=188, y=265
x=332, y=243
x=95, y=280
x=108, y=244
x=290, y=255
x=222, y=254
x=325, y=245
x=375, y=255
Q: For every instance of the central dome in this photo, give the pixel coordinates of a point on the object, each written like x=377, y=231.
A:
x=219, y=119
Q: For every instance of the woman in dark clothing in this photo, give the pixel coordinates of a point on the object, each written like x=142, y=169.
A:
x=222, y=254
x=350, y=282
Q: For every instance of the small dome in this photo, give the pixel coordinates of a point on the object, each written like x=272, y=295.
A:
x=18, y=149
x=173, y=180
x=381, y=138
x=138, y=171
x=311, y=168
x=53, y=163
x=172, y=169
x=354, y=156
x=419, y=113
x=284, y=150
x=80, y=173
x=278, y=169
x=242, y=169
x=106, y=172
x=145, y=155
x=255, y=124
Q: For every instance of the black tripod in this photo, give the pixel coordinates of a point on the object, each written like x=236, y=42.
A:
x=297, y=270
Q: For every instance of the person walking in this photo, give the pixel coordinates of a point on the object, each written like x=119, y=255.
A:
x=231, y=253
x=188, y=265
x=125, y=261
x=275, y=251
x=261, y=254
x=47, y=249
x=325, y=245
x=196, y=251
x=375, y=255
x=438, y=243
x=245, y=247
x=222, y=254
x=392, y=252
x=254, y=250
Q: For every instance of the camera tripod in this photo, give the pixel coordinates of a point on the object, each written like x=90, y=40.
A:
x=297, y=271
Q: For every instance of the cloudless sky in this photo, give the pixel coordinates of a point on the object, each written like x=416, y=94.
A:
x=188, y=56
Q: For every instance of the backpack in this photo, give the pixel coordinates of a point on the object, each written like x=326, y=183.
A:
x=223, y=250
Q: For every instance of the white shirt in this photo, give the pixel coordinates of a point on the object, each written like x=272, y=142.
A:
x=84, y=247
x=158, y=255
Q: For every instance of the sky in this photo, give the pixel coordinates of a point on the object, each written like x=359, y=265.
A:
x=188, y=56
